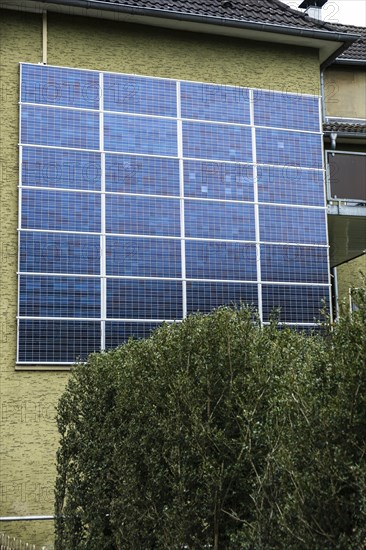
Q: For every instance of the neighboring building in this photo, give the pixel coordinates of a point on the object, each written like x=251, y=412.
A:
x=169, y=160
x=345, y=145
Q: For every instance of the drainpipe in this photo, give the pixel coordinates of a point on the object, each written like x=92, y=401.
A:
x=322, y=91
x=44, y=38
x=335, y=294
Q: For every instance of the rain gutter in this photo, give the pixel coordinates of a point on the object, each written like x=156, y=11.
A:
x=350, y=61
x=213, y=20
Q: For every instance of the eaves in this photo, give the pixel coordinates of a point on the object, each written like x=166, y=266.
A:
x=329, y=43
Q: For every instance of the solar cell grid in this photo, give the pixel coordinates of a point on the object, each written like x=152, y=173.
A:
x=214, y=102
x=296, y=304
x=219, y=220
x=64, y=168
x=289, y=185
x=45, y=296
x=133, y=94
x=142, y=175
x=204, y=297
x=62, y=211
x=218, y=180
x=217, y=142
x=118, y=333
x=57, y=86
x=294, y=264
x=217, y=260
x=289, y=148
x=57, y=341
x=137, y=134
x=292, y=225
x=143, y=257
x=142, y=215
x=59, y=253
x=160, y=207
x=281, y=110
x=60, y=127
x=143, y=299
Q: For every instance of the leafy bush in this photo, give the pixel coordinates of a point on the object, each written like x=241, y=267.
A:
x=217, y=433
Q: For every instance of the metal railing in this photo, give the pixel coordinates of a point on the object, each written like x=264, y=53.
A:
x=7, y=542
x=11, y=543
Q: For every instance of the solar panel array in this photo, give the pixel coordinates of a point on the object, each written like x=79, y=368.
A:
x=145, y=199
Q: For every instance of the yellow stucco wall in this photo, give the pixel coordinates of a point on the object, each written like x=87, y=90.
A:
x=27, y=430
x=345, y=92
x=350, y=275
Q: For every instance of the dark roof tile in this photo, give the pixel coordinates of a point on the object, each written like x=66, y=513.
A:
x=341, y=127
x=272, y=12
x=260, y=11
x=357, y=50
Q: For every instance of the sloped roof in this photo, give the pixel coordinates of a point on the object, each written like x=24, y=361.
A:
x=357, y=129
x=271, y=16
x=261, y=11
x=357, y=50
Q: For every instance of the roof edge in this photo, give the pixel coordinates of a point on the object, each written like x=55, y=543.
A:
x=349, y=61
x=182, y=16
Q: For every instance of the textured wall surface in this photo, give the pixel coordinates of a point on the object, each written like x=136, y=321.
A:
x=27, y=430
x=345, y=92
x=349, y=275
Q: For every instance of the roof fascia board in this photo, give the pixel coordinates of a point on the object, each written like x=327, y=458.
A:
x=327, y=42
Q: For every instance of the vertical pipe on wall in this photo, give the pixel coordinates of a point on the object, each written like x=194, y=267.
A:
x=335, y=293
x=44, y=38
x=322, y=92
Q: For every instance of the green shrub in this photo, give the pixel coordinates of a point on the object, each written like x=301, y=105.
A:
x=217, y=433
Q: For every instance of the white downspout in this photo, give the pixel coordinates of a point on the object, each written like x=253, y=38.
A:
x=44, y=38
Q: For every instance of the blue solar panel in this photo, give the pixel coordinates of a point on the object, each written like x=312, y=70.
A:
x=281, y=110
x=215, y=102
x=219, y=220
x=60, y=127
x=59, y=296
x=63, y=87
x=292, y=225
x=217, y=142
x=136, y=257
x=141, y=95
x=204, y=297
x=296, y=304
x=59, y=253
x=288, y=185
x=220, y=260
x=289, y=148
x=63, y=211
x=118, y=333
x=143, y=299
x=218, y=180
x=303, y=264
x=61, y=168
x=43, y=341
x=142, y=216
x=151, y=217
x=137, y=134
x=142, y=175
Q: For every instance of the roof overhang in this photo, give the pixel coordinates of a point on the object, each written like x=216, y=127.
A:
x=347, y=233
x=330, y=44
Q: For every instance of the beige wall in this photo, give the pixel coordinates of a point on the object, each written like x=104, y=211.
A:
x=345, y=92
x=350, y=275
x=28, y=432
